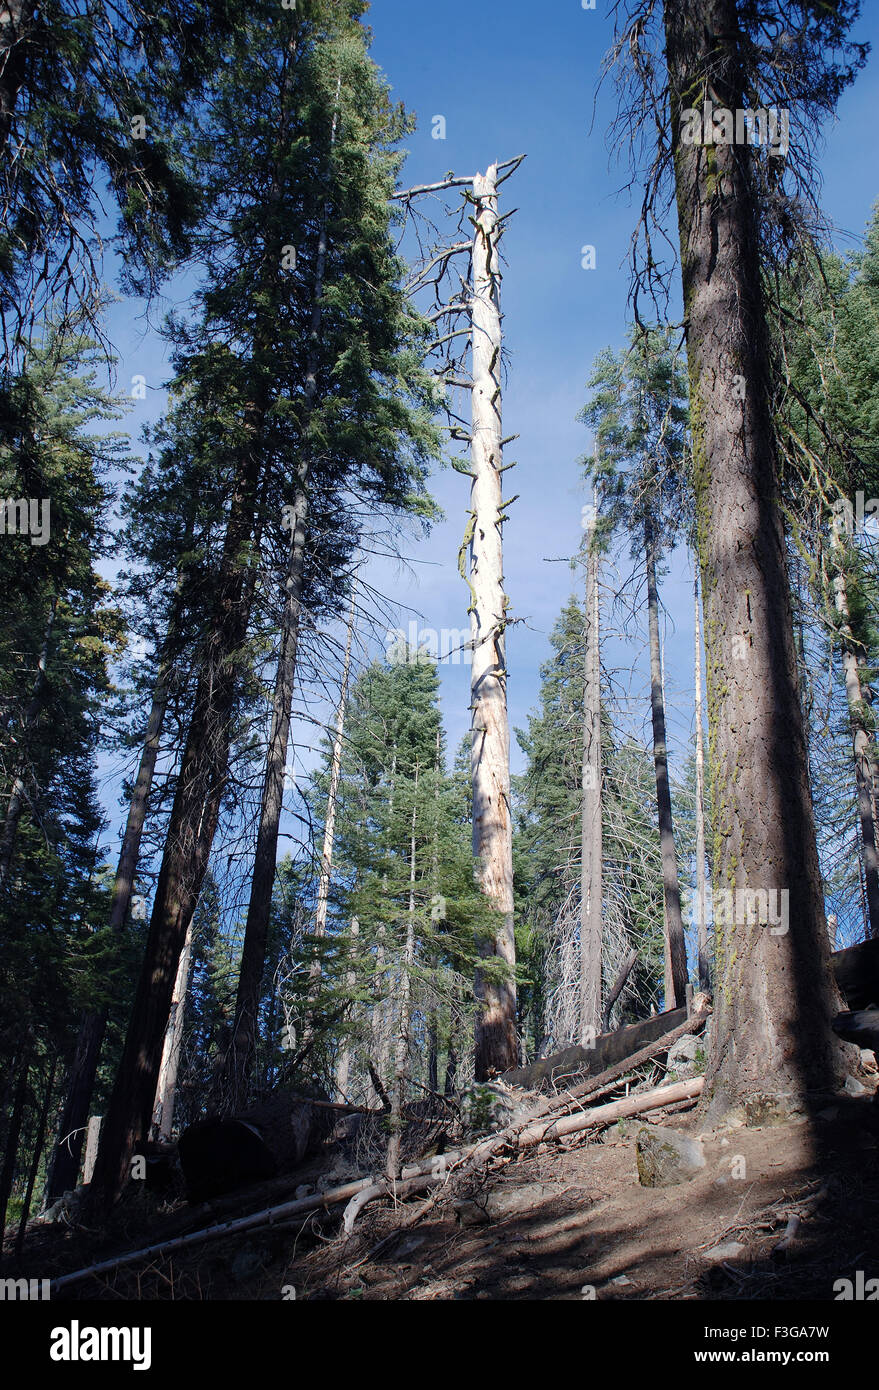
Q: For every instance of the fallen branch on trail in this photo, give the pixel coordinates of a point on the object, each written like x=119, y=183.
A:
x=415, y=1175
x=529, y=1132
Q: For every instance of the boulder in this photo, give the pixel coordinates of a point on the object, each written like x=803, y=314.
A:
x=488, y=1106
x=666, y=1157
x=222, y=1155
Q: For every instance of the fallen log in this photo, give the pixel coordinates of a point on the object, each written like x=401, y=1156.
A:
x=607, y=1049
x=856, y=970
x=527, y=1135
x=427, y=1171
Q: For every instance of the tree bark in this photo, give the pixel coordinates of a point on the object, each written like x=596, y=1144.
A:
x=591, y=842
x=496, y=1047
x=772, y=1046
x=675, y=947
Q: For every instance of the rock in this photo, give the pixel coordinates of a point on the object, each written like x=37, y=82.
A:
x=219, y=1156
x=682, y=1056
x=666, y=1157
x=868, y=1060
x=854, y=1086
x=502, y=1202
x=66, y=1207
x=245, y=1264
x=860, y=1026
x=291, y=1125
x=729, y=1251
x=490, y=1105
x=304, y=1190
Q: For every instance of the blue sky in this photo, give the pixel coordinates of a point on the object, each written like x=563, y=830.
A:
x=511, y=77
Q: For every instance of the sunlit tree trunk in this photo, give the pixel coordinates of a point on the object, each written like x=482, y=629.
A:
x=496, y=1047
x=166, y=1090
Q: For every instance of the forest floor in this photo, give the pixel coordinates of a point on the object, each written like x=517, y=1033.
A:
x=553, y=1223
x=581, y=1226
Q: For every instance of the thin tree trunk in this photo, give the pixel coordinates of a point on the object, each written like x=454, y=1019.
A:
x=772, y=1043
x=496, y=1048
x=862, y=745
x=42, y=1124
x=378, y=1031
x=326, y=858
x=701, y=896
x=343, y=1065
x=13, y=1135
x=591, y=842
x=675, y=947
x=163, y=1108
x=401, y=1051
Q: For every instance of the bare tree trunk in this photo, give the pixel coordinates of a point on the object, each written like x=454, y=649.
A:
x=701, y=904
x=378, y=1030
x=862, y=744
x=591, y=841
x=772, y=1044
x=326, y=858
x=343, y=1065
x=675, y=946
x=496, y=1048
x=166, y=1089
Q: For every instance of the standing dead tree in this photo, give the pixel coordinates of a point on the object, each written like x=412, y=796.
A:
x=478, y=305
